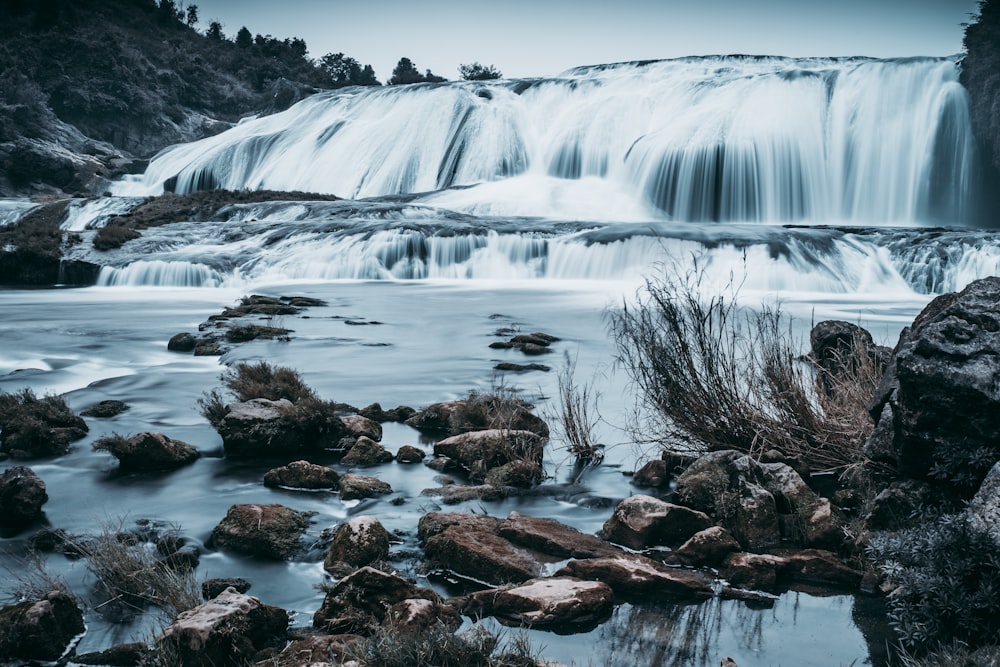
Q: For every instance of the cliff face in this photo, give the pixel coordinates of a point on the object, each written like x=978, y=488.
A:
x=88, y=85
x=981, y=77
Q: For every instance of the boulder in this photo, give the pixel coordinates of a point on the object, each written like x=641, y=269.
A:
x=435, y=523
x=182, y=342
x=896, y=506
x=452, y=494
x=105, y=409
x=366, y=452
x=225, y=631
x=519, y=474
x=480, y=451
x=841, y=349
x=359, y=542
x=397, y=414
x=560, y=602
x=435, y=418
x=211, y=588
x=22, y=494
x=479, y=412
x=637, y=578
x=317, y=651
x=416, y=616
x=358, y=426
x=123, y=655
x=31, y=427
x=813, y=567
x=707, y=548
x=941, y=385
x=268, y=531
x=148, y=451
x=984, y=510
x=551, y=537
x=410, y=454
x=652, y=474
x=753, y=571
x=483, y=555
x=359, y=602
x=266, y=428
x=41, y=629
x=354, y=487
x=639, y=522
x=303, y=475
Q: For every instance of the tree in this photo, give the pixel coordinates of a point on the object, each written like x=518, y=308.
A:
x=343, y=70
x=431, y=77
x=192, y=15
x=243, y=38
x=215, y=31
x=405, y=72
x=368, y=77
x=477, y=72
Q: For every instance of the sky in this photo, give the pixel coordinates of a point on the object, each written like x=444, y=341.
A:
x=529, y=38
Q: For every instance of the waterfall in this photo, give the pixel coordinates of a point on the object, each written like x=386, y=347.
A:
x=741, y=139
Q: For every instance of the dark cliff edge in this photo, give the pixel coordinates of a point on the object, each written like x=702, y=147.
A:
x=89, y=89
x=981, y=77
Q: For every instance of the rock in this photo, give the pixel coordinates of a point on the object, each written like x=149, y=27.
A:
x=520, y=368
x=895, y=507
x=472, y=552
x=652, y=474
x=841, y=349
x=211, y=588
x=479, y=412
x=880, y=445
x=484, y=450
x=707, y=548
x=182, y=342
x=317, y=651
x=105, y=409
x=268, y=531
x=984, y=510
x=560, y=602
x=261, y=427
x=353, y=487
x=360, y=601
x=359, y=426
x=806, y=566
x=416, y=616
x=410, y=454
x=148, y=451
x=225, y=631
x=123, y=655
x=435, y=418
x=359, y=542
x=303, y=475
x=637, y=578
x=366, y=452
x=761, y=504
x=551, y=537
x=753, y=571
x=452, y=494
x=443, y=464
x=22, y=494
x=641, y=521
x=520, y=474
x=435, y=523
x=31, y=427
x=397, y=414
x=941, y=385
x=40, y=629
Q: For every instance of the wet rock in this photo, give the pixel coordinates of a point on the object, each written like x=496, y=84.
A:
x=303, y=475
x=637, y=578
x=984, y=510
x=359, y=542
x=484, y=450
x=483, y=555
x=22, y=494
x=941, y=385
x=435, y=523
x=359, y=426
x=397, y=414
x=652, y=474
x=435, y=418
x=552, y=537
x=707, y=548
x=896, y=507
x=182, y=342
x=105, y=409
x=775, y=571
x=225, y=631
x=410, y=454
x=479, y=412
x=33, y=427
x=520, y=368
x=443, y=464
x=354, y=487
x=123, y=655
x=452, y=494
x=416, y=616
x=268, y=531
x=317, y=651
x=641, y=521
x=366, y=452
x=40, y=629
x=840, y=349
x=359, y=602
x=560, y=602
x=753, y=571
x=148, y=451
x=266, y=428
x=211, y=588
x=519, y=474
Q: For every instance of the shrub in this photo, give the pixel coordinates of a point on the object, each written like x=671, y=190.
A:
x=262, y=380
x=712, y=375
x=113, y=236
x=577, y=417
x=946, y=575
x=32, y=426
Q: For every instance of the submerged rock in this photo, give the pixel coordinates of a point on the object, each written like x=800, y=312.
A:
x=268, y=531
x=22, y=494
x=41, y=629
x=105, y=409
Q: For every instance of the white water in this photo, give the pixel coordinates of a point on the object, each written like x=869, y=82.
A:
x=736, y=138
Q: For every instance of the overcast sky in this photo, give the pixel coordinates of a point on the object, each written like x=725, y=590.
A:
x=525, y=38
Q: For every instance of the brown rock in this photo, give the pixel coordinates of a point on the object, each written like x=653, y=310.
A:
x=707, y=548
x=269, y=531
x=303, y=475
x=366, y=452
x=354, y=487
x=641, y=521
x=358, y=426
x=361, y=541
x=40, y=629
x=637, y=578
x=416, y=616
x=360, y=601
x=493, y=447
x=548, y=536
x=410, y=454
x=22, y=494
x=557, y=602
x=148, y=451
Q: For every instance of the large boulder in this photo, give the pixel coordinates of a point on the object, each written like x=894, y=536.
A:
x=32, y=427
x=22, y=494
x=560, y=602
x=813, y=567
x=941, y=386
x=359, y=542
x=302, y=475
x=266, y=428
x=225, y=631
x=148, y=451
x=366, y=452
x=358, y=426
x=551, y=537
x=639, y=522
x=761, y=504
x=40, y=629
x=359, y=602
x=268, y=531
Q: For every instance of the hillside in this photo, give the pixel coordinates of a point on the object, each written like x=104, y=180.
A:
x=88, y=88
x=981, y=77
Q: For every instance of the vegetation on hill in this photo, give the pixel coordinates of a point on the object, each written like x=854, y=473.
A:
x=981, y=76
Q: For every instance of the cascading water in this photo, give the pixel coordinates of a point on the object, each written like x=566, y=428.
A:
x=741, y=139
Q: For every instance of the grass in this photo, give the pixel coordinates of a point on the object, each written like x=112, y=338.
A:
x=712, y=375
x=33, y=426
x=441, y=648
x=262, y=380
x=577, y=416
x=500, y=408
